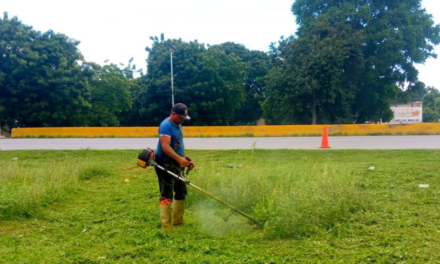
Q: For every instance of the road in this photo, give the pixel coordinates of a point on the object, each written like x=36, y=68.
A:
x=360, y=142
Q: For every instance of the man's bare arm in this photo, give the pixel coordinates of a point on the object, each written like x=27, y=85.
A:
x=165, y=143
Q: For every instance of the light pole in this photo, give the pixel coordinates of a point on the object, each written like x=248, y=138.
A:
x=172, y=48
x=172, y=87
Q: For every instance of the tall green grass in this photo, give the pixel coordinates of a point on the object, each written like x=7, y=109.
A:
x=25, y=189
x=289, y=201
x=26, y=186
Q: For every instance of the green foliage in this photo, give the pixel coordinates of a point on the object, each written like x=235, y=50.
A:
x=349, y=60
x=208, y=80
x=131, y=117
x=311, y=86
x=44, y=81
x=346, y=60
x=257, y=65
x=417, y=91
x=431, y=105
x=41, y=83
x=110, y=95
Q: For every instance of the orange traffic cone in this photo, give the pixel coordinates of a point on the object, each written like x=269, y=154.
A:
x=324, y=143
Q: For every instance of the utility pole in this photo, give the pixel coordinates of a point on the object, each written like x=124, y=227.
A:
x=172, y=87
x=172, y=49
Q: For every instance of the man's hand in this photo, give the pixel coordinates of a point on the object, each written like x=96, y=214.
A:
x=191, y=164
x=165, y=141
x=184, y=162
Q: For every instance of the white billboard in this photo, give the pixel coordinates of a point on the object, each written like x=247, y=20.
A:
x=407, y=114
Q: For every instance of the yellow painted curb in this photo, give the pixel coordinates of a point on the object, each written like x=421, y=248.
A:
x=237, y=131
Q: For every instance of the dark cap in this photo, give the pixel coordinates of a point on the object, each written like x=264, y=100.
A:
x=181, y=110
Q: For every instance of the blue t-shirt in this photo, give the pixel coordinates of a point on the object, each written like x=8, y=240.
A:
x=168, y=128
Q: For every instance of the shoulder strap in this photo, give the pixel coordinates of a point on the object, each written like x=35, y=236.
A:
x=179, y=137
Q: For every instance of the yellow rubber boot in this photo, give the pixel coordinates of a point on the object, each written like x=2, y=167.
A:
x=165, y=216
x=178, y=210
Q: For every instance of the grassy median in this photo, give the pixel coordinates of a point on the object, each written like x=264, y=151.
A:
x=315, y=206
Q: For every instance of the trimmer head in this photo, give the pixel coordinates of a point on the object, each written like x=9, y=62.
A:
x=226, y=216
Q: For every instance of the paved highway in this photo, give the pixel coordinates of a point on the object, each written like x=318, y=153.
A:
x=360, y=142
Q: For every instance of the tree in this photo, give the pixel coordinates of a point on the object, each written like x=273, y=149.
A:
x=110, y=94
x=41, y=82
x=132, y=117
x=256, y=67
x=381, y=42
x=414, y=92
x=206, y=79
x=431, y=105
x=314, y=69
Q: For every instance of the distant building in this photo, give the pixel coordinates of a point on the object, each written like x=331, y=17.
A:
x=407, y=113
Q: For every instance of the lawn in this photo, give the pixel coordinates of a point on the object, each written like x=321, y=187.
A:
x=319, y=206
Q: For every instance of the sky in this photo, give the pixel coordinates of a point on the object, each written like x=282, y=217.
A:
x=115, y=31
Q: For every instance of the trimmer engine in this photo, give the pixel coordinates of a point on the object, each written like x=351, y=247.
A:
x=146, y=158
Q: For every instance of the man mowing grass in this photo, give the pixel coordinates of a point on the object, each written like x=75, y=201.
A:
x=170, y=154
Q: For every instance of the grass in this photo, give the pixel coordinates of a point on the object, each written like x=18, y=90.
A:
x=288, y=202
x=25, y=189
x=316, y=207
x=29, y=183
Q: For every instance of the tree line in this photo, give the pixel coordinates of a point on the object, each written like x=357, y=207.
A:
x=348, y=61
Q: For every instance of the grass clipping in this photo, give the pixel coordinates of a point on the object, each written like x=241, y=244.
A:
x=288, y=201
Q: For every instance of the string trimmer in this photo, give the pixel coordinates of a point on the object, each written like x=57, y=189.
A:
x=146, y=158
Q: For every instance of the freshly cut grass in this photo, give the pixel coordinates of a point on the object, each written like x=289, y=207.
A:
x=93, y=171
